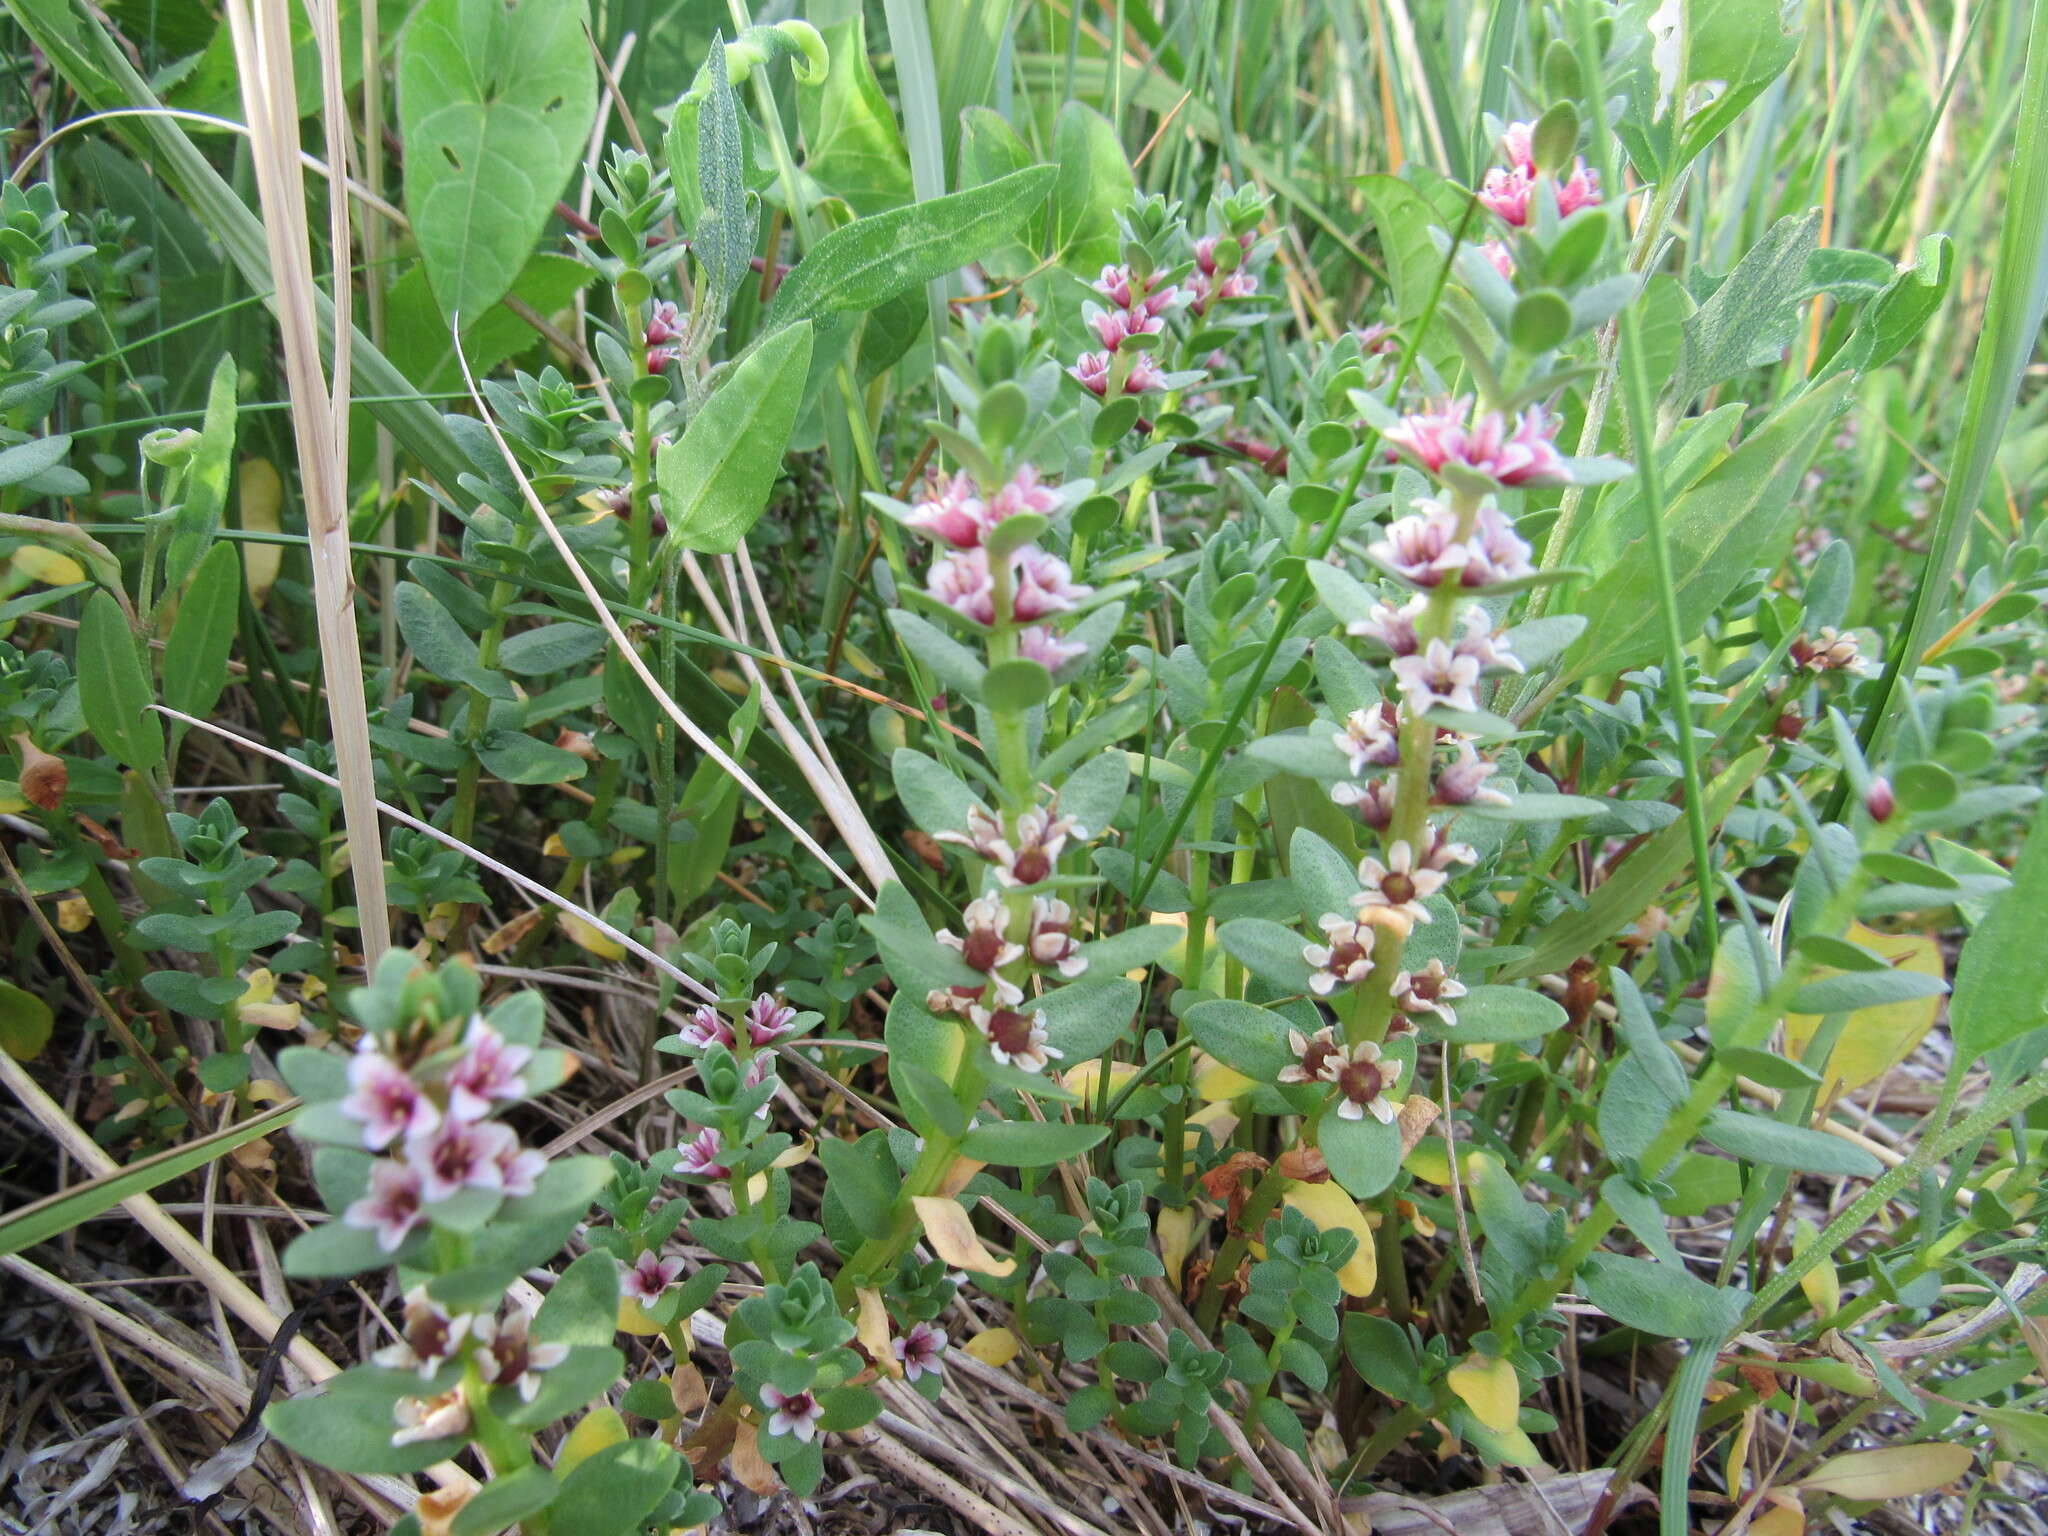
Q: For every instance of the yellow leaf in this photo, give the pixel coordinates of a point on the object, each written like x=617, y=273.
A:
x=261, y=498
x=586, y=937
x=554, y=847
x=1176, y=1228
x=1219, y=1120
x=633, y=1319
x=1821, y=1285
x=74, y=914
x=47, y=566
x=873, y=1329
x=1487, y=1386
x=1891, y=1473
x=262, y=987
x=993, y=1346
x=1084, y=1078
x=1215, y=1083
x=508, y=936
x=1785, y=1517
x=597, y=1429
x=1430, y=1161
x=1874, y=1040
x=1334, y=1211
x=953, y=1237
x=857, y=659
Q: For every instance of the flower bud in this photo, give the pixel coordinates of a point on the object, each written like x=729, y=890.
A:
x=1879, y=800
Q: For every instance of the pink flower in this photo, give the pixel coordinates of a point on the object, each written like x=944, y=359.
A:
x=1523, y=455
x=1092, y=371
x=648, y=1276
x=430, y=1336
x=1365, y=1081
x=1044, y=585
x=1344, y=958
x=794, y=1413
x=508, y=1357
x=986, y=947
x=1372, y=801
x=1497, y=252
x=1038, y=643
x=664, y=324
x=705, y=1028
x=1015, y=1039
x=1118, y=286
x=1316, y=1056
x=1392, y=627
x=1518, y=141
x=520, y=1168
x=1399, y=885
x=699, y=1156
x=430, y=1418
x=461, y=1154
x=962, y=582
x=1378, y=340
x=1496, y=553
x=952, y=513
x=769, y=1019
x=1464, y=782
x=391, y=1209
x=385, y=1098
x=1438, y=675
x=1430, y=990
x=1424, y=546
x=1579, y=190
x=1052, y=938
x=1505, y=194
x=1482, y=643
x=919, y=1350
x=659, y=358
x=489, y=1070
x=1113, y=326
x=1023, y=493
x=1042, y=835
x=1371, y=738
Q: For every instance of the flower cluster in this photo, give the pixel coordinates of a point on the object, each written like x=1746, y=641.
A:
x=1029, y=586
x=665, y=329
x=1508, y=189
x=1138, y=306
x=501, y=1347
x=1521, y=452
x=427, y=1108
x=1005, y=940
x=736, y=1052
x=1828, y=651
x=1229, y=278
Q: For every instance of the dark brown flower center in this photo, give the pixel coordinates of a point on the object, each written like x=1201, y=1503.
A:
x=983, y=947
x=1360, y=1081
x=1010, y=1031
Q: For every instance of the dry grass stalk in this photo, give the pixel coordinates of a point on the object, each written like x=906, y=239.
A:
x=526, y=883
x=270, y=100
x=704, y=743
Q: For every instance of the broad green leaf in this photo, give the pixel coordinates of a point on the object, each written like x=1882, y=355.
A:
x=25, y=1024
x=715, y=482
x=1736, y=517
x=495, y=105
x=990, y=150
x=1752, y=317
x=1403, y=219
x=1244, y=1036
x=1030, y=1143
x=420, y=342
x=1661, y=1298
x=113, y=690
x=1363, y=1154
x=615, y=1490
x=860, y=265
x=933, y=794
x=1094, y=186
x=1268, y=950
x=505, y=1501
x=1493, y=1015
x=550, y=648
x=347, y=1427
x=1779, y=1145
x=196, y=654
x=2001, y=987
x=853, y=146
x=1740, y=46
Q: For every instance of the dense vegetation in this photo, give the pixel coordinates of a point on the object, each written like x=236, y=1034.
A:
x=1046, y=767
